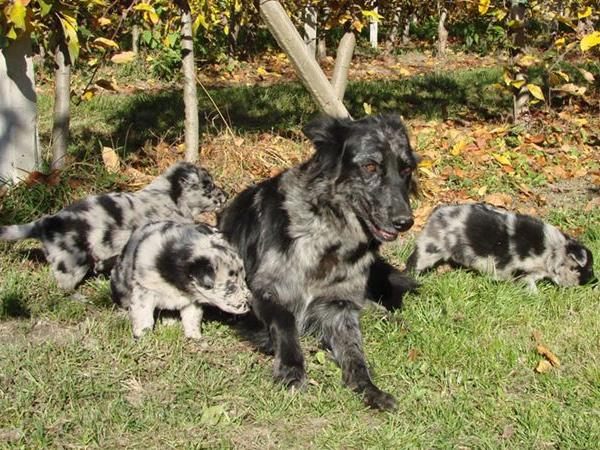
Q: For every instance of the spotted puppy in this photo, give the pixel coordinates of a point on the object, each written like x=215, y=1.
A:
x=174, y=266
x=91, y=233
x=503, y=244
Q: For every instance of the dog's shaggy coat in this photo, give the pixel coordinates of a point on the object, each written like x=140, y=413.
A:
x=178, y=267
x=502, y=244
x=90, y=234
x=309, y=239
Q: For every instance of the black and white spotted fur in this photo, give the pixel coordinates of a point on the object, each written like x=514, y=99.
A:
x=90, y=233
x=502, y=244
x=309, y=238
x=179, y=267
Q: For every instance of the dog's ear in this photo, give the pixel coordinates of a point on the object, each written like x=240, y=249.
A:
x=577, y=253
x=327, y=133
x=202, y=271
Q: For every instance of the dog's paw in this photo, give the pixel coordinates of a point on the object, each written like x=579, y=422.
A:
x=292, y=377
x=377, y=399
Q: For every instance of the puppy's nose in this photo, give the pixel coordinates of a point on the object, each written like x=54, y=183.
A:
x=403, y=223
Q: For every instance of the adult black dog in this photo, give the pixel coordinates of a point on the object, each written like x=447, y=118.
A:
x=309, y=239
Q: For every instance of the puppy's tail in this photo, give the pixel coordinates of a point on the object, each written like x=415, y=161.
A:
x=18, y=232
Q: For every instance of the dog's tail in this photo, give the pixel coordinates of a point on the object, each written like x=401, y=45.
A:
x=18, y=232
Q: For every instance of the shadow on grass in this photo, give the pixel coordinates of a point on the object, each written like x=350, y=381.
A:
x=151, y=116
x=11, y=306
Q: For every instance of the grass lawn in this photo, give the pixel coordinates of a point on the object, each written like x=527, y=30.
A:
x=459, y=357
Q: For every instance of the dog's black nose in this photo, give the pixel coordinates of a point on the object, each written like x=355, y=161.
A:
x=403, y=223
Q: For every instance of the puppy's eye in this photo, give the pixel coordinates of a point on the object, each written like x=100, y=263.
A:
x=371, y=167
x=231, y=273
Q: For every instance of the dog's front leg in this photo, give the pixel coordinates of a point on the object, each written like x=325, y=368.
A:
x=338, y=324
x=288, y=367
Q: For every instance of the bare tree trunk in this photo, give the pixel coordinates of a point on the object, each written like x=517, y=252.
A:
x=135, y=39
x=520, y=95
x=406, y=32
x=373, y=32
x=62, y=105
x=339, y=79
x=304, y=63
x=321, y=49
x=310, y=28
x=234, y=29
x=19, y=149
x=442, y=34
x=190, y=98
x=393, y=36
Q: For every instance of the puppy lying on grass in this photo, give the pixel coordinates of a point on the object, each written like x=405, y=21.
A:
x=502, y=244
x=90, y=234
x=174, y=266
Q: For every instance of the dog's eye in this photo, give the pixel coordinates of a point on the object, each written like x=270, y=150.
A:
x=405, y=171
x=371, y=167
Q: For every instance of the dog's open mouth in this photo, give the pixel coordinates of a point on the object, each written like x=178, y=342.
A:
x=380, y=233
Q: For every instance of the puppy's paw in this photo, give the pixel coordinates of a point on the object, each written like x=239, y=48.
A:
x=377, y=399
x=292, y=377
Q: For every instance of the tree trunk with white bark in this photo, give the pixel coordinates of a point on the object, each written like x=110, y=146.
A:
x=442, y=34
x=373, y=30
x=19, y=147
x=339, y=79
x=62, y=106
x=304, y=63
x=310, y=28
x=135, y=39
x=520, y=95
x=190, y=99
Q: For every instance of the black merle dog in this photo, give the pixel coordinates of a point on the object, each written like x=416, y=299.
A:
x=309, y=239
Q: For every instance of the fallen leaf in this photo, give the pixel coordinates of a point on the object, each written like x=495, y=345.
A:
x=458, y=148
x=502, y=159
x=368, y=109
x=49, y=179
x=482, y=190
x=537, y=336
x=499, y=199
x=123, y=57
x=593, y=203
x=111, y=159
x=587, y=75
x=546, y=353
x=537, y=139
x=543, y=366
x=107, y=84
x=413, y=353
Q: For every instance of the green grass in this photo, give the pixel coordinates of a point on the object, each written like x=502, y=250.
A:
x=71, y=374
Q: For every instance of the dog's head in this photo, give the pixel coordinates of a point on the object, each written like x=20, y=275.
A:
x=578, y=265
x=371, y=164
x=218, y=279
x=192, y=188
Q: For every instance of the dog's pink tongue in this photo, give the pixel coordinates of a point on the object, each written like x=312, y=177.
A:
x=387, y=235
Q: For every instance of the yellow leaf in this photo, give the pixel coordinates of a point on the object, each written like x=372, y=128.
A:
x=92, y=62
x=484, y=6
x=17, y=13
x=123, y=57
x=502, y=159
x=563, y=75
x=527, y=61
x=357, y=25
x=589, y=41
x=111, y=159
x=517, y=83
x=506, y=77
x=546, y=353
x=368, y=109
x=103, y=21
x=536, y=91
x=572, y=89
x=87, y=95
x=458, y=148
x=559, y=43
x=425, y=163
x=262, y=71
x=500, y=14
x=584, y=13
x=543, y=366
x=589, y=77
x=105, y=43
x=482, y=190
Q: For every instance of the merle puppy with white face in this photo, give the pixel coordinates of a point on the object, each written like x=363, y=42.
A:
x=503, y=244
x=178, y=267
x=89, y=234
x=309, y=239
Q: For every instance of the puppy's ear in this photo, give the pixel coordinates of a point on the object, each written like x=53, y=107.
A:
x=203, y=271
x=578, y=254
